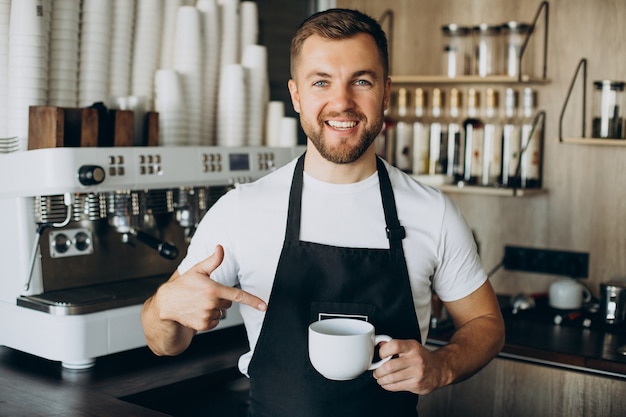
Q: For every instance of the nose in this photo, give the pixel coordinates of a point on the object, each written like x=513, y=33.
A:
x=342, y=97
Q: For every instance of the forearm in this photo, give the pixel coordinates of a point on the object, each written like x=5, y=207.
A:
x=471, y=347
x=164, y=337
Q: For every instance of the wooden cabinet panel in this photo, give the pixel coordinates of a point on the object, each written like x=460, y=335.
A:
x=518, y=389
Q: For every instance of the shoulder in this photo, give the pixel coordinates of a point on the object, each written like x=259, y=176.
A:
x=408, y=191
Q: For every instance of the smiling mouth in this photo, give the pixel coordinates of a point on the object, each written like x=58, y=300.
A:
x=342, y=125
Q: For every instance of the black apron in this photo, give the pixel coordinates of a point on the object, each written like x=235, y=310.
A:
x=317, y=281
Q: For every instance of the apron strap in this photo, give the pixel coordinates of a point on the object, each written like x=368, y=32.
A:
x=294, y=211
x=395, y=232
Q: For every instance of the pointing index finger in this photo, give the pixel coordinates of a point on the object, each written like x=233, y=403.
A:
x=240, y=296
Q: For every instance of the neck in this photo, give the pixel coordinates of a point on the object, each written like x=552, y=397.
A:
x=319, y=168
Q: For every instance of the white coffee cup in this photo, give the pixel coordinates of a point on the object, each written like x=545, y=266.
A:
x=567, y=294
x=342, y=349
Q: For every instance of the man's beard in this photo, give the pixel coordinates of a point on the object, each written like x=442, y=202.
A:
x=346, y=152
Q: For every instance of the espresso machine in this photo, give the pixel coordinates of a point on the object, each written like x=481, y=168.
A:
x=90, y=233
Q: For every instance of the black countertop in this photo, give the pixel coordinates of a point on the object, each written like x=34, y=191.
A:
x=31, y=386
x=582, y=340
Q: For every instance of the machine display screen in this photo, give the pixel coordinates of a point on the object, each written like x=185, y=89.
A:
x=239, y=162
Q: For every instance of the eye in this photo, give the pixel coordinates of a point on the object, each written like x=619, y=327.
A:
x=320, y=83
x=362, y=83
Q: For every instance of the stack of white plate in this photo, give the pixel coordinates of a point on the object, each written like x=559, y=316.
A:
x=8, y=145
x=211, y=67
x=95, y=45
x=254, y=59
x=232, y=126
x=64, y=35
x=230, y=23
x=169, y=101
x=146, y=48
x=188, y=62
x=5, y=15
x=29, y=35
x=122, y=26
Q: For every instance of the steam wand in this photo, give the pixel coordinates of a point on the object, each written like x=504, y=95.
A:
x=165, y=249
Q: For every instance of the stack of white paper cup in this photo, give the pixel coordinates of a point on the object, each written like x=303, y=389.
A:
x=188, y=62
x=170, y=103
x=170, y=9
x=122, y=26
x=5, y=15
x=64, y=35
x=254, y=59
x=211, y=67
x=146, y=48
x=230, y=53
x=27, y=64
x=273, y=123
x=288, y=132
x=231, y=113
x=95, y=43
x=249, y=25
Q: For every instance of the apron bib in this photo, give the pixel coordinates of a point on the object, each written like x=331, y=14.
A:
x=315, y=281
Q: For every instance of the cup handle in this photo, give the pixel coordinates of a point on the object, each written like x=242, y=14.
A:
x=377, y=340
x=587, y=295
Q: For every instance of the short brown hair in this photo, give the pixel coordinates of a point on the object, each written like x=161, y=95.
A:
x=340, y=24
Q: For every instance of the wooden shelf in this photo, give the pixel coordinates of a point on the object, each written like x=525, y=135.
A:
x=502, y=192
x=469, y=79
x=439, y=181
x=595, y=141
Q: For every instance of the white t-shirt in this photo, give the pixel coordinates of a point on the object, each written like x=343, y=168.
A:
x=250, y=223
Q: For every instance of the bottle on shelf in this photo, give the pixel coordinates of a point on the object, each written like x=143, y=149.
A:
x=514, y=34
x=438, y=153
x=455, y=141
x=403, y=134
x=420, y=133
x=487, y=47
x=510, y=140
x=456, y=49
x=492, y=141
x=474, y=134
x=608, y=106
x=531, y=142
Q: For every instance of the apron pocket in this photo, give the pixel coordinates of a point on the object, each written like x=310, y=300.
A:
x=322, y=310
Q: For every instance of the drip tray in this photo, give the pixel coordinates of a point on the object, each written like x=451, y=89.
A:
x=93, y=298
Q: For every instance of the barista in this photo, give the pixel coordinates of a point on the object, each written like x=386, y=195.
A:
x=337, y=231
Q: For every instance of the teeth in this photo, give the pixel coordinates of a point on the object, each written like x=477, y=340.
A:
x=341, y=125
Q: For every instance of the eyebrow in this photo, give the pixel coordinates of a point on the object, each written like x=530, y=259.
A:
x=322, y=74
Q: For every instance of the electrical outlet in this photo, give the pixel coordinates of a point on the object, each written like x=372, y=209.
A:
x=547, y=261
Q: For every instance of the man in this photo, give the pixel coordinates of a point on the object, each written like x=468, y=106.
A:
x=362, y=238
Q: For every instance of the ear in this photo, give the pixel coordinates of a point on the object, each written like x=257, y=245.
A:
x=387, y=96
x=295, y=97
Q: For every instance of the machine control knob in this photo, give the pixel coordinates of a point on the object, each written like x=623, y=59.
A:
x=91, y=174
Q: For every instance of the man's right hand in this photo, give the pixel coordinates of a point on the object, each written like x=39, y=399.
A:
x=191, y=300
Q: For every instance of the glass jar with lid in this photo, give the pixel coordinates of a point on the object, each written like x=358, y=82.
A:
x=608, y=108
x=514, y=34
x=487, y=45
x=456, y=50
